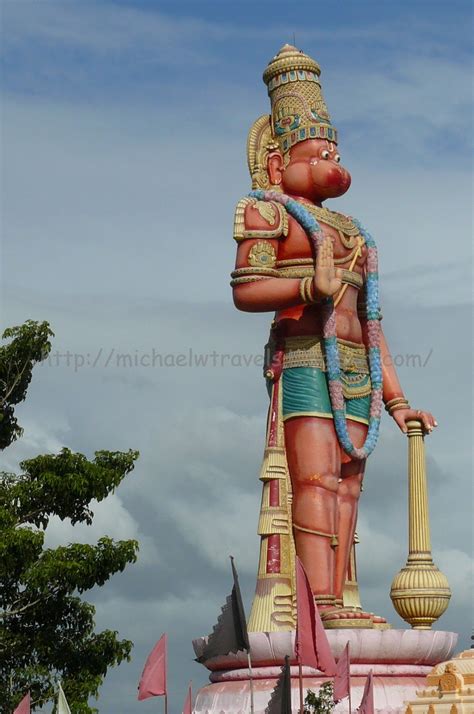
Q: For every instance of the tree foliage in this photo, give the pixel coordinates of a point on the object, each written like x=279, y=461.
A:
x=322, y=702
x=29, y=344
x=47, y=631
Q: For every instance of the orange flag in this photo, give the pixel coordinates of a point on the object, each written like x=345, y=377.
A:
x=367, y=704
x=312, y=645
x=24, y=706
x=153, y=679
x=342, y=685
x=188, y=704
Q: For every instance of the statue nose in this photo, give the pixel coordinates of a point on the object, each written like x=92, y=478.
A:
x=335, y=176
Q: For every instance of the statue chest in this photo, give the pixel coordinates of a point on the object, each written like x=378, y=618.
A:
x=347, y=248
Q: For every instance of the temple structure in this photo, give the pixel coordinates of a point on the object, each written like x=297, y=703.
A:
x=449, y=688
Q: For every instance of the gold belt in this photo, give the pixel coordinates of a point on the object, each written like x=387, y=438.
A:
x=308, y=351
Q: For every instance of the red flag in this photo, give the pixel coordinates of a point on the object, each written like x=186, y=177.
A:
x=188, y=706
x=367, y=704
x=24, y=705
x=312, y=645
x=153, y=679
x=342, y=681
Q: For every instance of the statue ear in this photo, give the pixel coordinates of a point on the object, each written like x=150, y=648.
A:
x=275, y=167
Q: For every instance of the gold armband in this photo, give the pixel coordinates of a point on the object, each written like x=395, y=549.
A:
x=248, y=279
x=238, y=272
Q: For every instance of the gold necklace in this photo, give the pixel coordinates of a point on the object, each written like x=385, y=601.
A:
x=335, y=220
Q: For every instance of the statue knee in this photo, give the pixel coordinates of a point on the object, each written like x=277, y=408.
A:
x=325, y=481
x=350, y=488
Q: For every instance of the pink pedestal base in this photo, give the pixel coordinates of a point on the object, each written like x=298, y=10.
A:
x=400, y=660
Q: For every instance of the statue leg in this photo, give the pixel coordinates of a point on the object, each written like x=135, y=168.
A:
x=314, y=463
x=352, y=474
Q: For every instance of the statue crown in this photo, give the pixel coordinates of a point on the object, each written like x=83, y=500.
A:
x=299, y=111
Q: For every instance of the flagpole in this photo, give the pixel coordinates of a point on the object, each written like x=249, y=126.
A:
x=251, y=682
x=166, y=704
x=300, y=673
x=349, y=658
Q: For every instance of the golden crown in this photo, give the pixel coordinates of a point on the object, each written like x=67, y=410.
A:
x=299, y=111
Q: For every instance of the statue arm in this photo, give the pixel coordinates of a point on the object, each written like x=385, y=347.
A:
x=259, y=229
x=391, y=384
x=259, y=292
x=393, y=395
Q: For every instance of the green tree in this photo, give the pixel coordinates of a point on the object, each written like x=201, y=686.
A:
x=47, y=630
x=29, y=344
x=322, y=702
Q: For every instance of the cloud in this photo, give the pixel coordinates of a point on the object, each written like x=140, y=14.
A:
x=120, y=185
x=111, y=518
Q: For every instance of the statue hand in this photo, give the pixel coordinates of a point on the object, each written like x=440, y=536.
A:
x=327, y=280
x=401, y=416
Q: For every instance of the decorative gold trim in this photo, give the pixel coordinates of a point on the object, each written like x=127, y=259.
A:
x=296, y=272
x=263, y=255
x=308, y=351
x=238, y=272
x=332, y=536
x=274, y=464
x=355, y=385
x=260, y=143
x=349, y=277
x=267, y=211
x=349, y=417
x=263, y=233
x=294, y=261
x=239, y=217
x=337, y=298
x=249, y=279
x=283, y=219
x=352, y=278
x=324, y=599
x=293, y=415
x=306, y=291
x=396, y=403
x=334, y=219
x=289, y=58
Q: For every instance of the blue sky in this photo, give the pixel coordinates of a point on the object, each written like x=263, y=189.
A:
x=123, y=156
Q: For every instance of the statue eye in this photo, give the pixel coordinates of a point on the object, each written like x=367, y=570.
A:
x=325, y=154
x=337, y=158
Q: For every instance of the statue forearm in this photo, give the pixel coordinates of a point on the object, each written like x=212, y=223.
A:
x=391, y=384
x=267, y=295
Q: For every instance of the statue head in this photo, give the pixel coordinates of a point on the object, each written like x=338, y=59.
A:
x=295, y=148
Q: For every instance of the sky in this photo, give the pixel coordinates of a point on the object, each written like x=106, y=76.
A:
x=123, y=157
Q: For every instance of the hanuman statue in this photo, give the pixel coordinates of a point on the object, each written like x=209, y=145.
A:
x=328, y=367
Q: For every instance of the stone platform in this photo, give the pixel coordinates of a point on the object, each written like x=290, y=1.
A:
x=400, y=660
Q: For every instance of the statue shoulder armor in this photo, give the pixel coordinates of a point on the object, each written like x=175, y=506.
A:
x=259, y=219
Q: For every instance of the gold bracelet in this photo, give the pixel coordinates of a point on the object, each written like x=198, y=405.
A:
x=396, y=400
x=306, y=291
x=397, y=407
x=396, y=404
